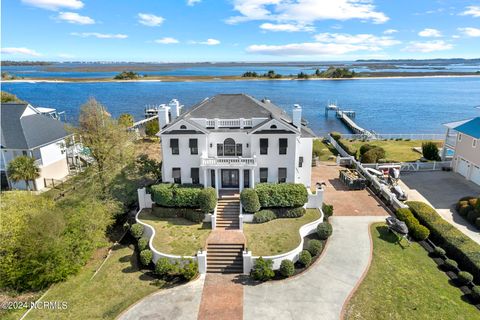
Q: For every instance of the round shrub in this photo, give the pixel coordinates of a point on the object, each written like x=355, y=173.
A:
x=262, y=270
x=450, y=264
x=189, y=270
x=136, y=230
x=207, y=199
x=372, y=155
x=315, y=246
x=146, y=257
x=264, y=216
x=439, y=252
x=365, y=147
x=430, y=151
x=250, y=200
x=163, y=267
x=305, y=258
x=464, y=277
x=324, y=230
x=327, y=210
x=295, y=212
x=142, y=244
x=287, y=268
x=420, y=232
x=476, y=293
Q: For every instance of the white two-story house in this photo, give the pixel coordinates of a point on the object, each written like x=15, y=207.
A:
x=26, y=130
x=233, y=141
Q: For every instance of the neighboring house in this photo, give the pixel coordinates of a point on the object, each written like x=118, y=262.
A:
x=26, y=130
x=464, y=137
x=232, y=141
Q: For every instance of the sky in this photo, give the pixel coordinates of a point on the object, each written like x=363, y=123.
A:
x=238, y=30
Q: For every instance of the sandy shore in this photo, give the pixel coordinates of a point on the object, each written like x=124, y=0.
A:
x=229, y=78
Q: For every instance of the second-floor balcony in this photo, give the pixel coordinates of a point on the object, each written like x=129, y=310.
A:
x=228, y=162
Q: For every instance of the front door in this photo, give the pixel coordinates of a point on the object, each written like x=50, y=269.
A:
x=230, y=178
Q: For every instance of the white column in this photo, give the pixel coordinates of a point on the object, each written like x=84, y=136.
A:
x=252, y=178
x=240, y=172
x=205, y=181
x=202, y=261
x=217, y=181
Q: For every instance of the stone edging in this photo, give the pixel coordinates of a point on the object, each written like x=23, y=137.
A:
x=364, y=274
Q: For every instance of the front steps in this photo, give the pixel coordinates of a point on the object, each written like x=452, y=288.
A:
x=228, y=210
x=225, y=258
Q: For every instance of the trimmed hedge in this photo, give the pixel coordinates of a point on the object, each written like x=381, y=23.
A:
x=465, y=277
x=146, y=257
x=264, y=216
x=469, y=208
x=249, y=199
x=281, y=194
x=290, y=213
x=327, y=210
x=287, y=268
x=439, y=252
x=136, y=230
x=263, y=269
x=176, y=195
x=455, y=243
x=314, y=246
x=191, y=214
x=305, y=258
x=324, y=230
x=476, y=293
x=416, y=230
x=207, y=199
x=450, y=264
x=142, y=244
x=189, y=270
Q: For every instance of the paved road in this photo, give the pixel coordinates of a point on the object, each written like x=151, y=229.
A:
x=321, y=292
x=177, y=303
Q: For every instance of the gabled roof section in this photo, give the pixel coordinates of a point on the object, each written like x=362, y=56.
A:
x=28, y=131
x=235, y=106
x=470, y=128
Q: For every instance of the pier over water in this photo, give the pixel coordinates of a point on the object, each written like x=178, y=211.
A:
x=346, y=117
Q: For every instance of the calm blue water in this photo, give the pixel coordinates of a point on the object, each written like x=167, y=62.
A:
x=385, y=105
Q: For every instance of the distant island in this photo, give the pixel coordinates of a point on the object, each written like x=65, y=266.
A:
x=331, y=73
x=25, y=63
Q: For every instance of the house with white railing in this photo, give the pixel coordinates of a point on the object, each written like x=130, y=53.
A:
x=232, y=141
x=463, y=139
x=30, y=131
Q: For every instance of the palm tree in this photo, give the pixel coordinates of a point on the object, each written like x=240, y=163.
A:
x=23, y=168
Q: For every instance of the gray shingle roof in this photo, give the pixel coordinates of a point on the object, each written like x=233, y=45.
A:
x=30, y=131
x=234, y=106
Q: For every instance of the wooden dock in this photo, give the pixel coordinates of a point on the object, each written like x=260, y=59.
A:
x=346, y=117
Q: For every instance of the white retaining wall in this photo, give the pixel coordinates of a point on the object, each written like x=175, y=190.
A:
x=145, y=202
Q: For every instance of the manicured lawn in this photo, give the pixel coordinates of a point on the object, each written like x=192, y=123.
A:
x=116, y=286
x=276, y=236
x=177, y=235
x=405, y=284
x=396, y=151
x=326, y=151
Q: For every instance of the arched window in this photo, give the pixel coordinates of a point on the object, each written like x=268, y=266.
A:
x=183, y=127
x=273, y=126
x=229, y=147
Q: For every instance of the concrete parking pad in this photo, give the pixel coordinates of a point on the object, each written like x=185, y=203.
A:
x=320, y=292
x=442, y=190
x=346, y=202
x=179, y=303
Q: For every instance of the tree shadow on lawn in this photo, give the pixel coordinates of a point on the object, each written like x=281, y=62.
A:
x=388, y=236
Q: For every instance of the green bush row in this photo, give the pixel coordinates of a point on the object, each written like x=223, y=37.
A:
x=188, y=269
x=456, y=244
x=416, y=230
x=186, y=195
x=191, y=214
x=469, y=208
x=281, y=194
x=275, y=213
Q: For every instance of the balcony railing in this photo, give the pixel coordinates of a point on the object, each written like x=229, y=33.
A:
x=225, y=123
x=228, y=162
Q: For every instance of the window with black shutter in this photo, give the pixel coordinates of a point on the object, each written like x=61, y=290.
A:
x=239, y=149
x=177, y=175
x=174, y=146
x=283, y=144
x=195, y=175
x=282, y=175
x=193, y=145
x=263, y=146
x=263, y=174
x=219, y=149
x=300, y=162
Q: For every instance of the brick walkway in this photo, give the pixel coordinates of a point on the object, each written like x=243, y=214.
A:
x=346, y=202
x=222, y=298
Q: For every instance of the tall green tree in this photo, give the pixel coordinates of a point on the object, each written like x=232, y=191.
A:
x=151, y=128
x=110, y=145
x=126, y=120
x=23, y=168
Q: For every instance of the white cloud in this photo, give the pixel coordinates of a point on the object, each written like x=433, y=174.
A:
x=305, y=11
x=327, y=44
x=66, y=56
x=472, y=11
x=470, y=32
x=428, y=46
x=390, y=31
x=21, y=51
x=193, y=2
x=166, y=40
x=286, y=27
x=208, y=42
x=429, y=32
x=99, y=35
x=75, y=18
x=55, y=4
x=150, y=20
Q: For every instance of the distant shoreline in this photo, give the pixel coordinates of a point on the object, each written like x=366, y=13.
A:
x=227, y=78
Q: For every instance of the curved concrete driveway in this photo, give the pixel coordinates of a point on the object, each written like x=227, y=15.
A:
x=180, y=302
x=320, y=292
